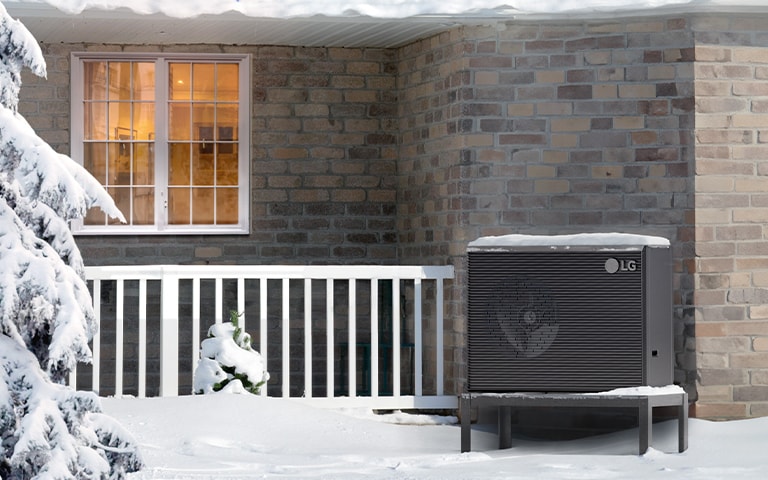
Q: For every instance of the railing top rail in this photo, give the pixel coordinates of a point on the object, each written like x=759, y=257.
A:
x=340, y=272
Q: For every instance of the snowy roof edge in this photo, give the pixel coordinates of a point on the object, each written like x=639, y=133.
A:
x=574, y=240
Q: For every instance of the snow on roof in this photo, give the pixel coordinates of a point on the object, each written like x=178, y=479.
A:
x=381, y=8
x=580, y=239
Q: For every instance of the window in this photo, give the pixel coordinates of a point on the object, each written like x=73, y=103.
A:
x=168, y=137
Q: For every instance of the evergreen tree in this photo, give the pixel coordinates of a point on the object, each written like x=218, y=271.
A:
x=47, y=430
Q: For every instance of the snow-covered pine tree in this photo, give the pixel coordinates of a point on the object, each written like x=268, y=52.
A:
x=47, y=430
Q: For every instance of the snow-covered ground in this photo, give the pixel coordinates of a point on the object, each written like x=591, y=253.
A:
x=224, y=436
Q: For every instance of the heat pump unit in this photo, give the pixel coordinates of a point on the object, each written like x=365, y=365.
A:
x=569, y=313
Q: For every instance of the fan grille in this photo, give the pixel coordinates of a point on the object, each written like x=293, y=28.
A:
x=555, y=321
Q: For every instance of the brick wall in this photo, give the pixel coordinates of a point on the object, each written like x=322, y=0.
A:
x=550, y=128
x=731, y=198
x=323, y=163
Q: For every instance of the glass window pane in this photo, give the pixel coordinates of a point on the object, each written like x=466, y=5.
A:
x=143, y=206
x=119, y=165
x=144, y=121
x=227, y=82
x=144, y=81
x=227, y=120
x=226, y=167
x=95, y=217
x=202, y=206
x=143, y=164
x=203, y=83
x=178, y=206
x=202, y=166
x=179, y=163
x=179, y=121
x=120, y=121
x=95, y=160
x=122, y=197
x=179, y=80
x=120, y=80
x=203, y=119
x=226, y=206
x=95, y=78
x=95, y=121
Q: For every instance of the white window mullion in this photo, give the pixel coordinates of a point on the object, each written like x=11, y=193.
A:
x=161, y=144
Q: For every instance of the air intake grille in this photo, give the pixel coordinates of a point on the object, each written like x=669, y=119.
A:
x=555, y=321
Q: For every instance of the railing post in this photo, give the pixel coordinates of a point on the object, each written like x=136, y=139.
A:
x=169, y=336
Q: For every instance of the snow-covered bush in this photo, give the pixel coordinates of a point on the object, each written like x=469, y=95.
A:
x=227, y=361
x=47, y=430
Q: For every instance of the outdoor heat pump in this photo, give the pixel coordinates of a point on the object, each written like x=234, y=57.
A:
x=569, y=313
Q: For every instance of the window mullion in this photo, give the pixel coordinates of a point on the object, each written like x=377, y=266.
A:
x=161, y=143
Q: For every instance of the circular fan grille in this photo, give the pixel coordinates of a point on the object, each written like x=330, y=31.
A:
x=525, y=315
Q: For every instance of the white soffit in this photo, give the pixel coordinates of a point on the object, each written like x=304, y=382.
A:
x=123, y=26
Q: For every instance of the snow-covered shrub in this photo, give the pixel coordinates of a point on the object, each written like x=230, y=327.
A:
x=227, y=361
x=47, y=430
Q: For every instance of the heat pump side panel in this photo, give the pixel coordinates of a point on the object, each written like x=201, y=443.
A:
x=658, y=298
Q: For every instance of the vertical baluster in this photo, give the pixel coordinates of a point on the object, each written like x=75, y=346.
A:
x=96, y=343
x=219, y=299
x=374, y=337
x=308, y=338
x=396, y=337
x=329, y=358
x=195, y=322
x=119, y=317
x=286, y=339
x=352, y=338
x=142, y=338
x=169, y=336
x=417, y=339
x=263, y=327
x=439, y=333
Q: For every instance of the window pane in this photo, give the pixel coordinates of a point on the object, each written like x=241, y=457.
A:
x=203, y=82
x=226, y=167
x=179, y=164
x=144, y=81
x=144, y=121
x=120, y=121
x=202, y=206
x=122, y=197
x=95, y=79
x=143, y=206
x=179, y=79
x=95, y=121
x=95, y=217
x=120, y=80
x=202, y=166
x=226, y=206
x=203, y=119
x=227, y=121
x=227, y=82
x=119, y=164
x=143, y=164
x=95, y=160
x=179, y=121
x=178, y=206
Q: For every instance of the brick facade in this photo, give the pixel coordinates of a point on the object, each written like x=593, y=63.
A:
x=652, y=125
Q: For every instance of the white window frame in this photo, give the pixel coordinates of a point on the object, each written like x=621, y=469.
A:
x=162, y=60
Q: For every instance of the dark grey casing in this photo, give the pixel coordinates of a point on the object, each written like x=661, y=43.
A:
x=569, y=319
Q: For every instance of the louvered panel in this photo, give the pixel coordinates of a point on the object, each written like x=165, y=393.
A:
x=555, y=321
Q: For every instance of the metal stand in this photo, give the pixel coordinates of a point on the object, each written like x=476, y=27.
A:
x=505, y=402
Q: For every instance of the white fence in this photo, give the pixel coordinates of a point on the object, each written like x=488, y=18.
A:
x=358, y=363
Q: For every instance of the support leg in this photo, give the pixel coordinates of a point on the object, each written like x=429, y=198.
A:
x=645, y=424
x=466, y=423
x=505, y=426
x=682, y=424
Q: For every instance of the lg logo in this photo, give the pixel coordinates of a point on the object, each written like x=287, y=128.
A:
x=613, y=265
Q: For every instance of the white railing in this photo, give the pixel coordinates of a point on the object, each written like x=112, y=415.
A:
x=276, y=281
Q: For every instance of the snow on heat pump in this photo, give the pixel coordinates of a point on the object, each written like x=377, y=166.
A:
x=569, y=313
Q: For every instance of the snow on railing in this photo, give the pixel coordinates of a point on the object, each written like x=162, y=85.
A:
x=330, y=335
